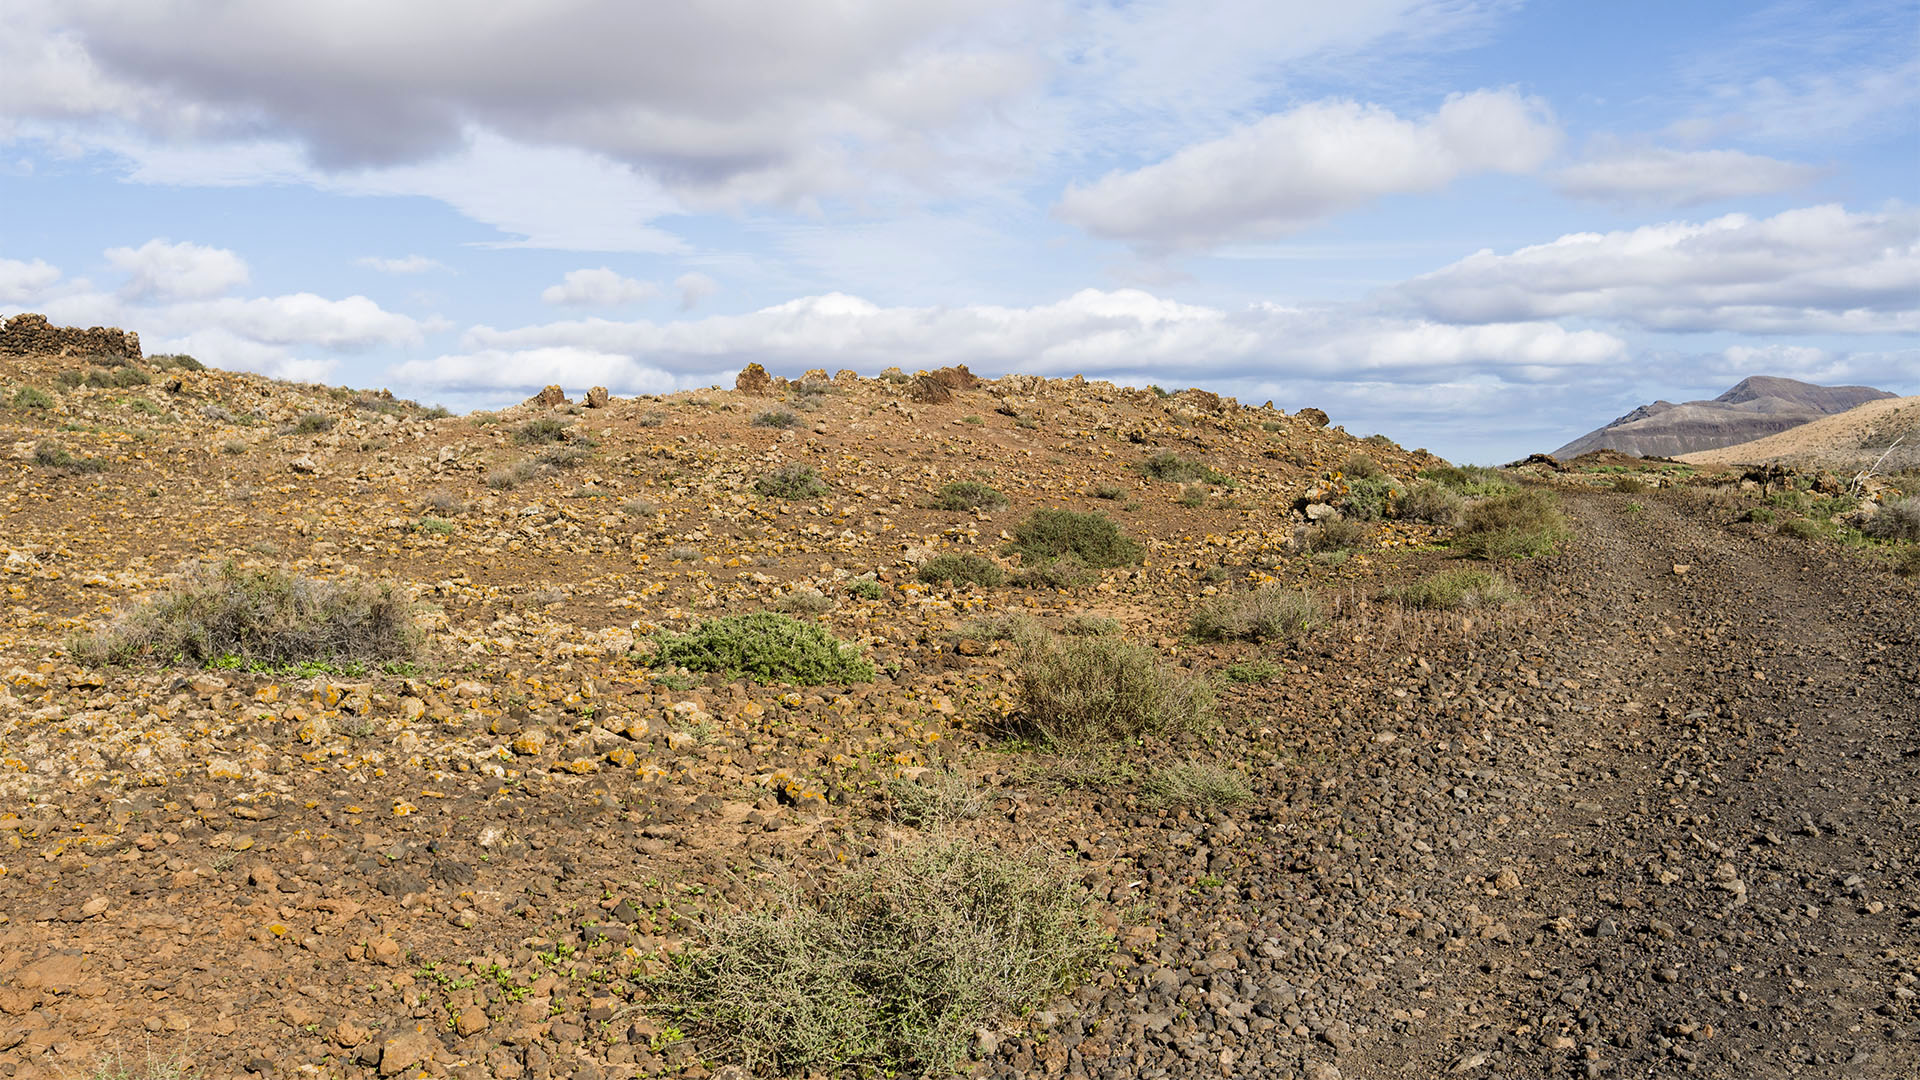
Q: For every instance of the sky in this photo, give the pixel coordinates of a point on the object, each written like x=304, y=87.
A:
x=1482, y=227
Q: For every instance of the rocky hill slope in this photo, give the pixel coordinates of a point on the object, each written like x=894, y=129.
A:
x=1634, y=807
x=1883, y=432
x=1757, y=406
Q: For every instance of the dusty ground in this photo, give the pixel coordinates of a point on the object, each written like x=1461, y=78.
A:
x=1657, y=820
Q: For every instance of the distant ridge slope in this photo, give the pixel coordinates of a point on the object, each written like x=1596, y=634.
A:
x=1755, y=407
x=1886, y=431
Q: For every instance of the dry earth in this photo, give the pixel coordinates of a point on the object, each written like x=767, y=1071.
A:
x=1657, y=820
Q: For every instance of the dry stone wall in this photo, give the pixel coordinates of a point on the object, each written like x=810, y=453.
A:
x=31, y=333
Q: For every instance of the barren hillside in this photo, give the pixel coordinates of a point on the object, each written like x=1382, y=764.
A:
x=1755, y=407
x=1315, y=771
x=1885, y=431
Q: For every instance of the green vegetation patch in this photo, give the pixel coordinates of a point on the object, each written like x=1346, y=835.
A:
x=1269, y=612
x=960, y=568
x=313, y=423
x=54, y=456
x=1334, y=534
x=780, y=419
x=891, y=972
x=1519, y=524
x=1473, y=481
x=270, y=616
x=29, y=397
x=1432, y=503
x=1456, y=590
x=1895, y=521
x=968, y=495
x=1371, y=498
x=1103, y=689
x=766, y=647
x=1176, y=469
x=1197, y=785
x=792, y=482
x=1093, y=539
x=545, y=429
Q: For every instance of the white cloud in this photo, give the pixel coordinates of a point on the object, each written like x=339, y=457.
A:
x=24, y=282
x=1887, y=369
x=1820, y=269
x=1679, y=177
x=296, y=319
x=163, y=270
x=406, y=264
x=1120, y=334
x=229, y=351
x=1293, y=169
x=598, y=288
x=694, y=287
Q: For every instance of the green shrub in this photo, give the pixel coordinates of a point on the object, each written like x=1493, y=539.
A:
x=892, y=971
x=1193, y=496
x=791, y=482
x=118, y=378
x=1454, y=590
x=28, y=397
x=545, y=429
x=1630, y=485
x=1084, y=625
x=1172, y=467
x=960, y=568
x=1361, y=467
x=436, y=526
x=1252, y=671
x=1764, y=515
x=171, y=361
x=221, y=610
x=1907, y=563
x=1473, y=481
x=1109, y=492
x=54, y=456
x=1269, y=612
x=1102, y=689
x=1092, y=538
x=565, y=455
x=1371, y=498
x=806, y=602
x=1803, y=528
x=1196, y=785
x=776, y=418
x=1519, y=524
x=967, y=495
x=1334, y=534
x=1895, y=521
x=1432, y=503
x=765, y=647
x=67, y=378
x=866, y=588
x=313, y=423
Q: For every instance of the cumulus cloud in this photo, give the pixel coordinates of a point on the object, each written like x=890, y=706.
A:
x=694, y=287
x=24, y=282
x=406, y=264
x=1293, y=169
x=160, y=269
x=1117, y=334
x=1821, y=269
x=1679, y=177
x=598, y=288
x=1885, y=368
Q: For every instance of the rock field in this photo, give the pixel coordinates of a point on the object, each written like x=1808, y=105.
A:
x=1661, y=818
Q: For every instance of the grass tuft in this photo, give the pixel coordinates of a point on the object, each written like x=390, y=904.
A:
x=221, y=610
x=1196, y=785
x=1431, y=503
x=1172, y=467
x=780, y=419
x=1102, y=689
x=1519, y=524
x=939, y=797
x=1456, y=590
x=791, y=482
x=893, y=971
x=1269, y=612
x=968, y=495
x=1895, y=521
x=961, y=568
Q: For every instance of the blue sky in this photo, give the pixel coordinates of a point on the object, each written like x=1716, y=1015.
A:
x=1480, y=226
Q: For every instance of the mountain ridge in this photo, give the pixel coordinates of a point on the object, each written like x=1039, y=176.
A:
x=1753, y=408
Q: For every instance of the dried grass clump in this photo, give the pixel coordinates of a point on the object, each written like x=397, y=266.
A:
x=1518, y=525
x=1895, y=521
x=1267, y=613
x=1456, y=590
x=267, y=616
x=1103, y=689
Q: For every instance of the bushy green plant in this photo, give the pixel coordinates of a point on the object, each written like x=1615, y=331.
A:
x=313, y=423
x=1269, y=612
x=766, y=647
x=866, y=588
x=270, y=616
x=1473, y=481
x=1371, y=498
x=1334, y=534
x=1101, y=689
x=54, y=456
x=1252, y=671
x=1519, y=524
x=968, y=495
x=792, y=482
x=891, y=972
x=1092, y=538
x=173, y=361
x=1454, y=590
x=1167, y=465
x=1803, y=528
x=1360, y=467
x=1193, y=496
x=776, y=418
x=1432, y=503
x=1109, y=492
x=117, y=378
x=1630, y=485
x=544, y=429
x=28, y=397
x=961, y=568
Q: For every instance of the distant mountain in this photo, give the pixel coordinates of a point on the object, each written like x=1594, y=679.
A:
x=1757, y=406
